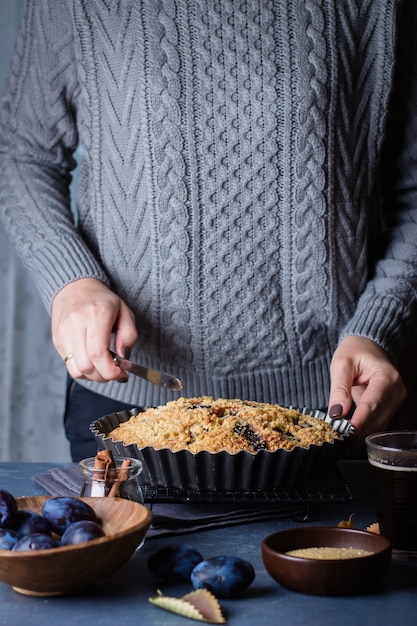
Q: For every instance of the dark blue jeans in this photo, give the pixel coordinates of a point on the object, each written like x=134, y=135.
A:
x=82, y=408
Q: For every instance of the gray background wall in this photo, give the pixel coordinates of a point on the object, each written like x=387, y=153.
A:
x=32, y=376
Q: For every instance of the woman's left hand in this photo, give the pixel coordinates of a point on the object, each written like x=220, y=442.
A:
x=362, y=372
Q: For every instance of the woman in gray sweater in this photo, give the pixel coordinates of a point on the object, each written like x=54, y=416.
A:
x=247, y=197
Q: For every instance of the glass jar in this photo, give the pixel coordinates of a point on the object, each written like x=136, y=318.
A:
x=119, y=481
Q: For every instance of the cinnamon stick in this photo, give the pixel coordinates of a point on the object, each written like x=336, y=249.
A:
x=103, y=466
x=121, y=476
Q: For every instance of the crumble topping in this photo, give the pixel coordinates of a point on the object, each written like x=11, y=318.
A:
x=215, y=425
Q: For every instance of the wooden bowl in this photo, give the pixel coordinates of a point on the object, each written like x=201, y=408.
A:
x=70, y=569
x=326, y=577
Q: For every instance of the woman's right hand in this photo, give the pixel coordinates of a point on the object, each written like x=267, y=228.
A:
x=85, y=314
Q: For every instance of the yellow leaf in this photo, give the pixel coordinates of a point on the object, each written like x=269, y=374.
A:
x=373, y=528
x=348, y=524
x=199, y=605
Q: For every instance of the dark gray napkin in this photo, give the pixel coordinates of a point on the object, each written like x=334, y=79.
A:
x=174, y=518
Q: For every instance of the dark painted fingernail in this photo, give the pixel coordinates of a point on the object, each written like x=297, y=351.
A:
x=336, y=410
x=122, y=380
x=126, y=353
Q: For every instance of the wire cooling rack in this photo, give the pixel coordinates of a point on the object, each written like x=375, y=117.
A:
x=327, y=488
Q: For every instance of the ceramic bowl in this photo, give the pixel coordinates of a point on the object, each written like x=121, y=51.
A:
x=70, y=569
x=326, y=577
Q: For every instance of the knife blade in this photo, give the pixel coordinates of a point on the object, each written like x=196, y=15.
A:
x=153, y=376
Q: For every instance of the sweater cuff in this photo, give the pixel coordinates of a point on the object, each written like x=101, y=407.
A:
x=60, y=262
x=385, y=321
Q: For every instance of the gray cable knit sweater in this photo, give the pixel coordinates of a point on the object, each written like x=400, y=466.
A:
x=248, y=182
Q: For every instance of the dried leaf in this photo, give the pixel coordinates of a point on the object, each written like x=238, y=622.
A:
x=348, y=523
x=373, y=528
x=199, y=605
x=177, y=605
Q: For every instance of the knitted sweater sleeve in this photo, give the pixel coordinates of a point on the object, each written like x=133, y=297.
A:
x=387, y=309
x=38, y=136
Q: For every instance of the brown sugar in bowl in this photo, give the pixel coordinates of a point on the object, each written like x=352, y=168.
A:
x=314, y=576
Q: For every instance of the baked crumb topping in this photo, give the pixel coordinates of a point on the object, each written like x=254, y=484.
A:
x=215, y=425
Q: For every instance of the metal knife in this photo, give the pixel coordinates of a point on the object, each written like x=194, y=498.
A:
x=153, y=376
